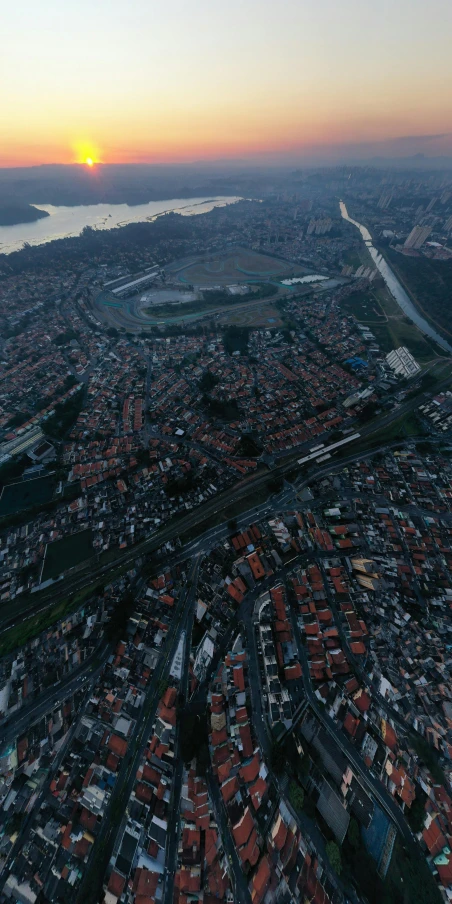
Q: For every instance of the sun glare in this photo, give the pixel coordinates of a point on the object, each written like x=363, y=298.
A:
x=89, y=161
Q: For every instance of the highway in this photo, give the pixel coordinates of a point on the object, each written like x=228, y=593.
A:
x=90, y=572
x=22, y=720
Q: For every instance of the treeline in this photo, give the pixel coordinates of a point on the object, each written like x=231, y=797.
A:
x=66, y=414
x=235, y=339
x=225, y=409
x=99, y=243
x=222, y=296
x=430, y=283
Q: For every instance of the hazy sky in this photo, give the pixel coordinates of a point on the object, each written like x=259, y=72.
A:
x=146, y=80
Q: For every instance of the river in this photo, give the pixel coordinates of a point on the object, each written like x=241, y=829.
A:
x=395, y=287
x=64, y=222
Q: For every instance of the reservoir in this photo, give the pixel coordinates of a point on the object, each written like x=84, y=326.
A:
x=66, y=222
x=395, y=287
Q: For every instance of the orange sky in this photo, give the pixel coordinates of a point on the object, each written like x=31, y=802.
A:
x=178, y=81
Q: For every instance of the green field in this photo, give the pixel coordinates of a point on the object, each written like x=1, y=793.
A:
x=365, y=306
x=25, y=494
x=389, y=325
x=64, y=554
x=238, y=266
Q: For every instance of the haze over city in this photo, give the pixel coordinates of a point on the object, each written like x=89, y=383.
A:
x=226, y=452
x=183, y=82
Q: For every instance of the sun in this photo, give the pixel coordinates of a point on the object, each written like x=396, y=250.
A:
x=89, y=161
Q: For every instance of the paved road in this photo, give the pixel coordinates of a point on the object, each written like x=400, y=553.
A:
x=22, y=720
x=241, y=892
x=28, y=822
x=175, y=813
x=91, y=886
x=372, y=785
x=35, y=603
x=309, y=830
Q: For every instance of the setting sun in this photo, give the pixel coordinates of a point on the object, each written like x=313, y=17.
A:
x=89, y=161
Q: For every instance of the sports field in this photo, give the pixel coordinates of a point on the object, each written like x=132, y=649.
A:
x=176, y=303
x=65, y=553
x=25, y=494
x=261, y=315
x=238, y=266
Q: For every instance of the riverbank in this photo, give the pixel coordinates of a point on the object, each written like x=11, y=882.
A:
x=394, y=264
x=394, y=286
x=69, y=222
x=17, y=214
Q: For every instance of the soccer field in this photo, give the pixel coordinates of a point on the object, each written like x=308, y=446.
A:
x=25, y=494
x=64, y=554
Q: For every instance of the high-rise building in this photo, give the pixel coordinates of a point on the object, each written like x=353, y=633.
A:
x=385, y=200
x=417, y=237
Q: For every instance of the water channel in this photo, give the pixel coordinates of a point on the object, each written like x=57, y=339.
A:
x=395, y=287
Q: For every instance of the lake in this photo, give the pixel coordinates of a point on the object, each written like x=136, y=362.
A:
x=297, y=280
x=64, y=222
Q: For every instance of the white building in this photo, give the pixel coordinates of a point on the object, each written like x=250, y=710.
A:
x=417, y=237
x=402, y=362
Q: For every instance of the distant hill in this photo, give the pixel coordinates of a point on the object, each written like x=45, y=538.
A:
x=119, y=184
x=12, y=214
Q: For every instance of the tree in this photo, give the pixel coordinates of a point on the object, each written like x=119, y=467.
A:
x=334, y=856
x=296, y=796
x=277, y=758
x=309, y=807
x=354, y=835
x=162, y=686
x=248, y=446
x=208, y=381
x=416, y=813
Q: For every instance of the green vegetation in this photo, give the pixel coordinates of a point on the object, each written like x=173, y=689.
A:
x=226, y=409
x=66, y=413
x=12, y=469
x=67, y=552
x=116, y=627
x=26, y=630
x=389, y=325
x=235, y=339
x=65, y=338
x=409, y=880
x=334, y=856
x=354, y=835
x=178, y=486
x=430, y=284
x=194, y=741
x=416, y=813
x=208, y=381
x=277, y=758
x=429, y=756
x=249, y=447
x=13, y=213
x=365, y=306
x=402, y=428
x=26, y=493
x=296, y=796
x=162, y=686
